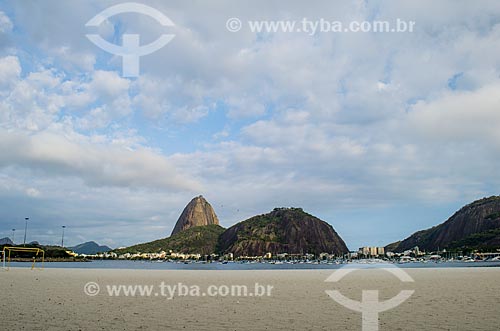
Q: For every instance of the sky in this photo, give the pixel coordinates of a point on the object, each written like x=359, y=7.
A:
x=378, y=134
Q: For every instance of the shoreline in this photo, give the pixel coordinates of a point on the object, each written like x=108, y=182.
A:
x=179, y=265
x=377, y=268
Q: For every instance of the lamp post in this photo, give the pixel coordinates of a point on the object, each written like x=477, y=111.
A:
x=62, y=239
x=25, y=229
x=13, y=235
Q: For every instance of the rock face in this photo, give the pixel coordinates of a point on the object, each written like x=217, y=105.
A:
x=284, y=230
x=475, y=225
x=197, y=213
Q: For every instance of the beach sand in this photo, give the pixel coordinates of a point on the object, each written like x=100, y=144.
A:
x=54, y=299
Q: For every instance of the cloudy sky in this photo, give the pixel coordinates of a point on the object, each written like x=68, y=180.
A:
x=379, y=134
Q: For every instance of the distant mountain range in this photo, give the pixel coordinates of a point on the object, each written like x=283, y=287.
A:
x=284, y=230
x=474, y=226
x=293, y=231
x=6, y=241
x=89, y=248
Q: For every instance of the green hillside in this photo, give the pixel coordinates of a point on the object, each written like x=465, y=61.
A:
x=487, y=241
x=196, y=240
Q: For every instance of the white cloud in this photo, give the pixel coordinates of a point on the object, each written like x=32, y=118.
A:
x=97, y=118
x=10, y=71
x=153, y=98
x=32, y=192
x=36, y=137
x=459, y=117
x=189, y=115
x=71, y=60
x=5, y=23
x=35, y=101
x=96, y=164
x=243, y=106
x=170, y=98
x=108, y=85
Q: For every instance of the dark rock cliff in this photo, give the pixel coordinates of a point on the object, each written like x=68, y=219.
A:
x=474, y=225
x=284, y=230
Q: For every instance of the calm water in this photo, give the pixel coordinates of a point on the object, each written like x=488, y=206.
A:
x=124, y=264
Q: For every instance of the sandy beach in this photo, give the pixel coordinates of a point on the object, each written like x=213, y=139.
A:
x=55, y=299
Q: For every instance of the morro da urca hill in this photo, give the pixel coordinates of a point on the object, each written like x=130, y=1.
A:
x=284, y=230
x=476, y=225
x=198, y=212
x=197, y=240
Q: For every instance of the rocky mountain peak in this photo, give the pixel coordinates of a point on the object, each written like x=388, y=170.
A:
x=198, y=212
